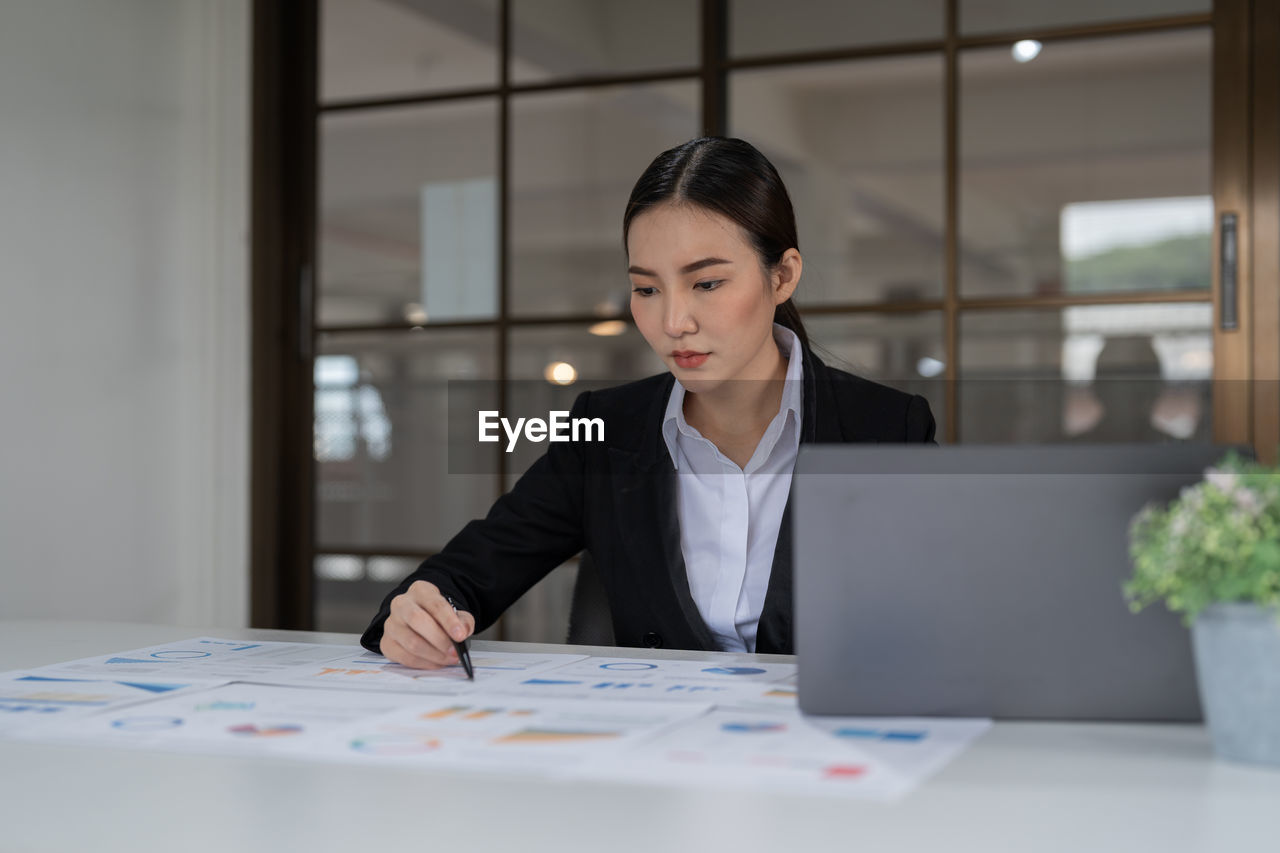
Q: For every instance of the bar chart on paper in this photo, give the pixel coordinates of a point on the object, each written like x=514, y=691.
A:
x=667, y=681
x=502, y=732
x=373, y=672
x=29, y=698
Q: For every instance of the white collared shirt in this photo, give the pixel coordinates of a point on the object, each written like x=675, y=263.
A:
x=730, y=516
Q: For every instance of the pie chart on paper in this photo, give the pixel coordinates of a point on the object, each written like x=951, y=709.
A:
x=734, y=670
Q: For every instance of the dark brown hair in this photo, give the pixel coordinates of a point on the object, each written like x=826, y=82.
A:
x=729, y=177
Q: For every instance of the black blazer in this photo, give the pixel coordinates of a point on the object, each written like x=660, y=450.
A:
x=617, y=499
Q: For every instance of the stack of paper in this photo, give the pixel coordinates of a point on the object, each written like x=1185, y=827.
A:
x=661, y=721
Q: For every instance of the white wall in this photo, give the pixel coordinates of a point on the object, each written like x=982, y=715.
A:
x=123, y=310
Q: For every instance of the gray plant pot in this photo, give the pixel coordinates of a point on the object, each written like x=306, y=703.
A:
x=1237, y=649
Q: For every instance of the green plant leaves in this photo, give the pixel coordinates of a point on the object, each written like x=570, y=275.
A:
x=1219, y=541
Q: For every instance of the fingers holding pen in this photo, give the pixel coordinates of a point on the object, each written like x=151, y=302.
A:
x=458, y=623
x=412, y=636
x=397, y=653
x=420, y=630
x=440, y=610
x=428, y=638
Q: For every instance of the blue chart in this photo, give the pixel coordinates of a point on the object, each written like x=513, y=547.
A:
x=235, y=646
x=8, y=707
x=146, y=724
x=650, y=687
x=628, y=666
x=882, y=734
x=222, y=705
x=128, y=660
x=137, y=685
x=154, y=688
x=46, y=678
x=734, y=670
x=753, y=728
x=167, y=656
x=543, y=682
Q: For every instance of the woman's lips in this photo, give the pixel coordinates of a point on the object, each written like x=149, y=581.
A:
x=689, y=358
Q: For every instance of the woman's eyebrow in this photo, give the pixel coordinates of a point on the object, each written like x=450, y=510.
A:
x=684, y=270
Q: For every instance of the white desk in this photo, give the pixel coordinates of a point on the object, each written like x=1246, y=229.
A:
x=1023, y=787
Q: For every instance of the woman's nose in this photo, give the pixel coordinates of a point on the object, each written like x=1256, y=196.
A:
x=677, y=316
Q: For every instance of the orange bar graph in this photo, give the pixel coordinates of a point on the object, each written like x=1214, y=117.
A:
x=444, y=712
x=483, y=713
x=553, y=736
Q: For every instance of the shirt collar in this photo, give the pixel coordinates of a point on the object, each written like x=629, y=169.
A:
x=673, y=422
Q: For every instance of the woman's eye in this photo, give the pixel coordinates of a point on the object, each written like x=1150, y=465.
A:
x=709, y=285
x=644, y=291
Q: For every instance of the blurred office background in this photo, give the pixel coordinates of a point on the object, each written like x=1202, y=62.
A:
x=262, y=237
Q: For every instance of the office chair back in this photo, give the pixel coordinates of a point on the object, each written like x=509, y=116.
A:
x=590, y=622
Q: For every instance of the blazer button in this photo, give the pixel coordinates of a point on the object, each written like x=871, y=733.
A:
x=652, y=640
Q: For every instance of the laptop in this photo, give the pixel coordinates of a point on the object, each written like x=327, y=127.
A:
x=984, y=581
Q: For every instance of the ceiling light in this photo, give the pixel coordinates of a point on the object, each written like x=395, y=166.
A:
x=560, y=373
x=1026, y=50
x=414, y=313
x=608, y=328
x=929, y=367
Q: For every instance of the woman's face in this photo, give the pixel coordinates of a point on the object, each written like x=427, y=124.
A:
x=701, y=298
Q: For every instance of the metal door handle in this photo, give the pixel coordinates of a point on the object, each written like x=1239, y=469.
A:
x=1228, y=269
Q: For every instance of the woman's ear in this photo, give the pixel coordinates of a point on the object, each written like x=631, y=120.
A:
x=786, y=275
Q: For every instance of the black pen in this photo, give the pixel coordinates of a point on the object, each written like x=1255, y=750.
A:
x=463, y=655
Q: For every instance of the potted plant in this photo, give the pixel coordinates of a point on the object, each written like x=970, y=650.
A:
x=1213, y=555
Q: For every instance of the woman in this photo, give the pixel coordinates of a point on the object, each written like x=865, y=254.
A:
x=683, y=506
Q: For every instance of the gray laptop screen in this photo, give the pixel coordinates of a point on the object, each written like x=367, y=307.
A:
x=984, y=581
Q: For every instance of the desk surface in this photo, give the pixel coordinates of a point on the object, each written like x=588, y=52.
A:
x=1023, y=787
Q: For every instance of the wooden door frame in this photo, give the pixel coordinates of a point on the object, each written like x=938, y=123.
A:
x=1246, y=176
x=1265, y=206
x=282, y=253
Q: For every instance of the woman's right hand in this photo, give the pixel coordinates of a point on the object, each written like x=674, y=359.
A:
x=422, y=628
